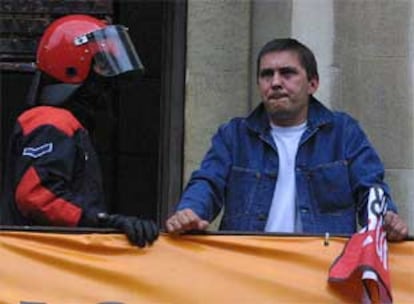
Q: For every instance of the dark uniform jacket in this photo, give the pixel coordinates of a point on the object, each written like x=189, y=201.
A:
x=52, y=173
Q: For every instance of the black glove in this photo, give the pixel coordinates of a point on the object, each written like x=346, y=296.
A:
x=139, y=232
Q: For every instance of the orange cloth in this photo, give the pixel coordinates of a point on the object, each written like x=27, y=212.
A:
x=58, y=268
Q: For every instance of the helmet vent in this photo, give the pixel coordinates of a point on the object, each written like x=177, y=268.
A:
x=71, y=72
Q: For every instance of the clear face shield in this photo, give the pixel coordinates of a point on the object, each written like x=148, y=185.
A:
x=114, y=51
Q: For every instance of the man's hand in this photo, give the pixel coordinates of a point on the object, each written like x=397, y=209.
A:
x=395, y=227
x=140, y=232
x=185, y=220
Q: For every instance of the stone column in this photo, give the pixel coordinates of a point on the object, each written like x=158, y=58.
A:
x=218, y=72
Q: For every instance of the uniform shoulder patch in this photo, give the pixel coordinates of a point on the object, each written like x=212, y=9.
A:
x=36, y=152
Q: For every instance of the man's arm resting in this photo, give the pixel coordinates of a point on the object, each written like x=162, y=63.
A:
x=185, y=220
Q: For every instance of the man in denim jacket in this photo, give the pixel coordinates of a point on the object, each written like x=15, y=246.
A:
x=292, y=165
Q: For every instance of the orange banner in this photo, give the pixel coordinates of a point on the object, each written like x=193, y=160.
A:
x=56, y=268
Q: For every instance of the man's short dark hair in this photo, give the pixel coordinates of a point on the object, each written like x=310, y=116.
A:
x=306, y=56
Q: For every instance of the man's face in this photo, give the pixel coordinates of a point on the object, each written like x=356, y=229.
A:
x=285, y=88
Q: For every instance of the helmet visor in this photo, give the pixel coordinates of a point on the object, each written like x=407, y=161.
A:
x=114, y=51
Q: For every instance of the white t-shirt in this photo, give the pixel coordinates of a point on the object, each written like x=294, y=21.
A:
x=283, y=210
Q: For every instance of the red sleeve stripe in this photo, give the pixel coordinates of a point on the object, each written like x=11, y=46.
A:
x=44, y=115
x=34, y=199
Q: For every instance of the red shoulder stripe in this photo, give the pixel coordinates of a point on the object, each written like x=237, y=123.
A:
x=61, y=119
x=33, y=198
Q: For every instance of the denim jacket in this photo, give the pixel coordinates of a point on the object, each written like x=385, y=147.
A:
x=335, y=166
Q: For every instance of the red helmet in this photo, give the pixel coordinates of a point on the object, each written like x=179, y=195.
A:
x=71, y=45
